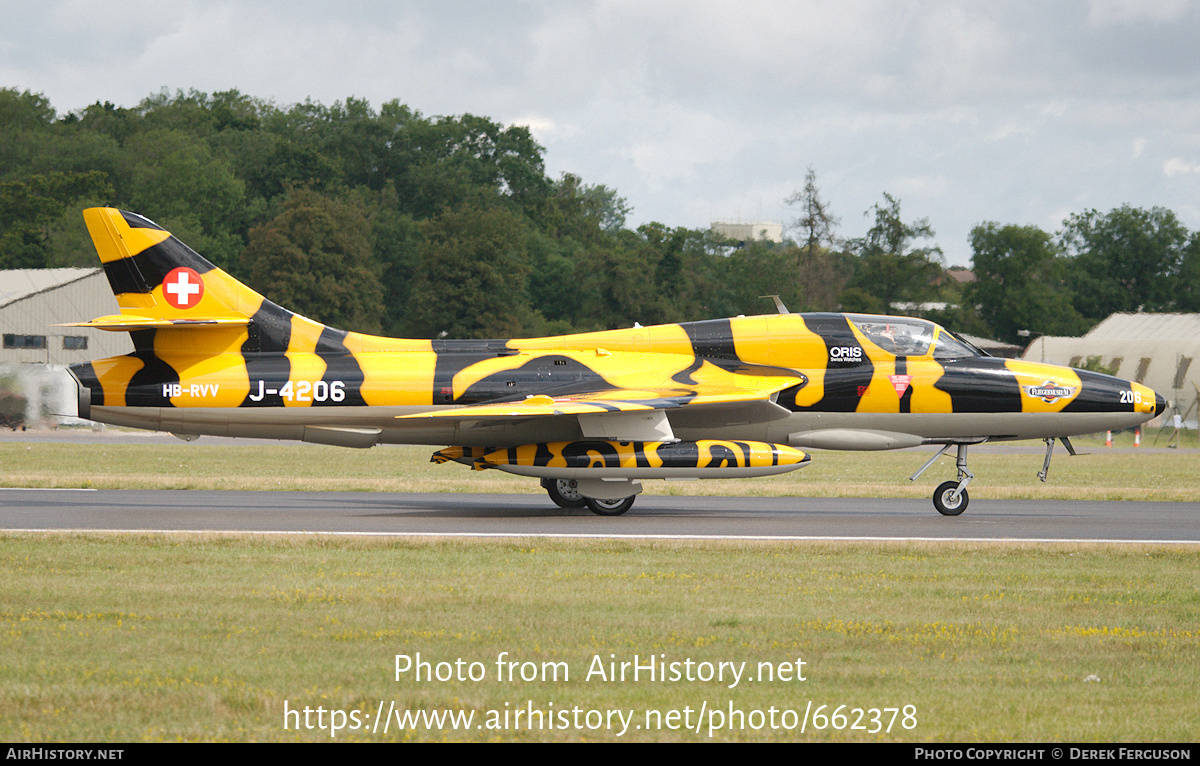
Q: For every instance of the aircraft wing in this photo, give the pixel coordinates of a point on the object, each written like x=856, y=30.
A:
x=616, y=400
x=601, y=411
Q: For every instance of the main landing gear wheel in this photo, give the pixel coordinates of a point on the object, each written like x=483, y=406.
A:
x=564, y=493
x=945, y=501
x=610, y=507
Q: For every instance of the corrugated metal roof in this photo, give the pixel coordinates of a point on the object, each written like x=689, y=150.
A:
x=1155, y=327
x=18, y=284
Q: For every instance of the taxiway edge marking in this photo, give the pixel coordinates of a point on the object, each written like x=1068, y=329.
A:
x=599, y=536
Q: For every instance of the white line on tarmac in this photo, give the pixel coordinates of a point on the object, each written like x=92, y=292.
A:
x=47, y=489
x=595, y=536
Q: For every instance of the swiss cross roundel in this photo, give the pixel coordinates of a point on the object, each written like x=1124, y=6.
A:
x=183, y=288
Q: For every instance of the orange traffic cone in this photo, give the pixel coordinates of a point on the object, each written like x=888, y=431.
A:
x=1137, y=437
x=1108, y=438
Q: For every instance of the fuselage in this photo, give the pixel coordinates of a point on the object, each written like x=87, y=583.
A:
x=865, y=382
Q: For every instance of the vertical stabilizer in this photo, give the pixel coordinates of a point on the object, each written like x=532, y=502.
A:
x=161, y=283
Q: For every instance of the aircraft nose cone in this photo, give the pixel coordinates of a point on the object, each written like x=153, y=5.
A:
x=1160, y=404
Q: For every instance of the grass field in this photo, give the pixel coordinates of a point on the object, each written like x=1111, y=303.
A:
x=129, y=638
x=1101, y=475
x=122, y=638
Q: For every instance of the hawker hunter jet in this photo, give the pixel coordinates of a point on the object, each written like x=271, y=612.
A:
x=590, y=415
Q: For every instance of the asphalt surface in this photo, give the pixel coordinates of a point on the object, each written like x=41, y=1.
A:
x=651, y=516
x=534, y=514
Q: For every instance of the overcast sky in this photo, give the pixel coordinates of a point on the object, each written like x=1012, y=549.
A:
x=1017, y=112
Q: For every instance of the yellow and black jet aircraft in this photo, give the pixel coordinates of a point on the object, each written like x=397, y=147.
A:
x=591, y=415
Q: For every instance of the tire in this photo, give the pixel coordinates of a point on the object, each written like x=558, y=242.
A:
x=941, y=497
x=610, y=507
x=564, y=493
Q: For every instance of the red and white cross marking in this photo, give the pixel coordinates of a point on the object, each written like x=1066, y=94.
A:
x=183, y=288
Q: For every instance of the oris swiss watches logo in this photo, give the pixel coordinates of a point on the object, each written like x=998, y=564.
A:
x=846, y=354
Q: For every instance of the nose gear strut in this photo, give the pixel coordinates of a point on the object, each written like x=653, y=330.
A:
x=950, y=498
x=1042, y=474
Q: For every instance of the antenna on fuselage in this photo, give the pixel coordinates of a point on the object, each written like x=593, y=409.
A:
x=782, y=309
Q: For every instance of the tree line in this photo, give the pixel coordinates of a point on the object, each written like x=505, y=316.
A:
x=386, y=220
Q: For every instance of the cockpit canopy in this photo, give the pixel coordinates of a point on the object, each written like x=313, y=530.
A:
x=906, y=336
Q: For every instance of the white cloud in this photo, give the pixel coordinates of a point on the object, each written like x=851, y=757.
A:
x=1118, y=12
x=1177, y=166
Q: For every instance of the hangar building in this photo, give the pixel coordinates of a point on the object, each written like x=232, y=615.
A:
x=34, y=353
x=32, y=301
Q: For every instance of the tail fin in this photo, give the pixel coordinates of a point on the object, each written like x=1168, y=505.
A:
x=155, y=276
x=181, y=311
x=161, y=283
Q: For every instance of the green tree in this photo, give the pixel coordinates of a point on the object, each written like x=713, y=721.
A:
x=890, y=268
x=109, y=120
x=1187, y=284
x=1019, y=284
x=315, y=258
x=26, y=120
x=583, y=212
x=453, y=161
x=459, y=213
x=756, y=269
x=185, y=112
x=359, y=140
x=178, y=181
x=31, y=210
x=856, y=300
x=821, y=281
x=673, y=253
x=615, y=283
x=816, y=225
x=24, y=110
x=668, y=275
x=395, y=240
x=64, y=149
x=471, y=278
x=284, y=165
x=1123, y=260
x=552, y=286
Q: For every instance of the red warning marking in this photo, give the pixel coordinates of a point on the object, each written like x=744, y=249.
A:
x=183, y=288
x=900, y=383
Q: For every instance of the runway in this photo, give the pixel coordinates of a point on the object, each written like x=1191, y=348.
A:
x=652, y=516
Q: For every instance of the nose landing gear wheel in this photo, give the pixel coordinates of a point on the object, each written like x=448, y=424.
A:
x=946, y=503
x=610, y=507
x=564, y=493
x=950, y=498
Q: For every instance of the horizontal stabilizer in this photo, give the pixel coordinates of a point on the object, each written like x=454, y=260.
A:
x=129, y=322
